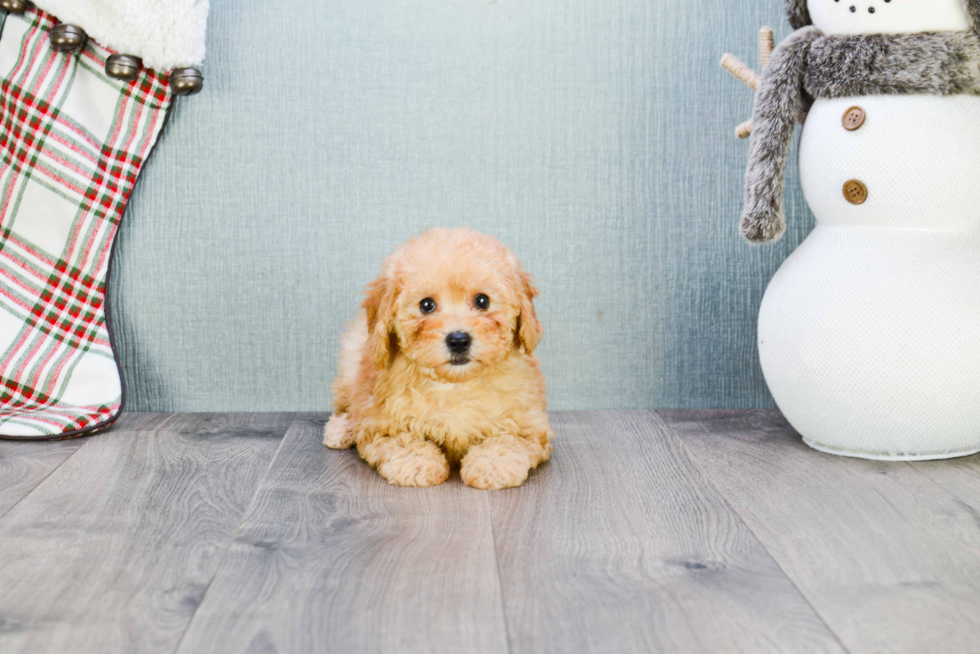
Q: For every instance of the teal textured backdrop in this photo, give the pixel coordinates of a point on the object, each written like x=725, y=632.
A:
x=595, y=138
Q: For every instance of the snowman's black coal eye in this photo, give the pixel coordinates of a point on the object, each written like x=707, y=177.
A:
x=482, y=302
x=428, y=305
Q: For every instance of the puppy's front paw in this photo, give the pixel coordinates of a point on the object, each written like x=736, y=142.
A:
x=502, y=462
x=419, y=469
x=404, y=459
x=337, y=433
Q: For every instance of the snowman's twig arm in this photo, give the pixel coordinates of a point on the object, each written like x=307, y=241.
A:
x=740, y=71
x=748, y=76
x=778, y=105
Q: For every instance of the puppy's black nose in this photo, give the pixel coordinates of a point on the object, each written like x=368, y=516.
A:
x=458, y=342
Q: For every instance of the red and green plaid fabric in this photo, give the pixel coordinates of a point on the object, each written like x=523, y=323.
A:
x=72, y=144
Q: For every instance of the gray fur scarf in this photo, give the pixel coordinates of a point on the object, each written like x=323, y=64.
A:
x=810, y=65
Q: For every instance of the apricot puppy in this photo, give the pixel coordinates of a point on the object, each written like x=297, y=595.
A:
x=438, y=369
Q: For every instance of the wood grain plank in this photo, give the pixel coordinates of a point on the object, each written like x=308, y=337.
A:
x=887, y=557
x=332, y=559
x=621, y=544
x=960, y=477
x=113, y=552
x=25, y=464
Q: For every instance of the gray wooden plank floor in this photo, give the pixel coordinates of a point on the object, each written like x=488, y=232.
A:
x=622, y=545
x=670, y=532
x=25, y=464
x=113, y=551
x=888, y=558
x=330, y=558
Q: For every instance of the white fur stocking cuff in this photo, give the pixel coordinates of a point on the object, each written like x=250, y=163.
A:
x=166, y=34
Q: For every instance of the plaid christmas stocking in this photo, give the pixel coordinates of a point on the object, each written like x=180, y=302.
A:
x=73, y=141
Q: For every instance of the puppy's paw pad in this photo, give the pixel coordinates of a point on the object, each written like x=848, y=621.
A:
x=416, y=470
x=488, y=470
x=337, y=433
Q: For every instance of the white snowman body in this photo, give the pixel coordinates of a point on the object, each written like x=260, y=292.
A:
x=869, y=334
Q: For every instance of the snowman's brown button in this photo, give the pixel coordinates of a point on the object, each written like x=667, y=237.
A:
x=855, y=192
x=854, y=118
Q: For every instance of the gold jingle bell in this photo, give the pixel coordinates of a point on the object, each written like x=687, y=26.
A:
x=186, y=81
x=123, y=67
x=68, y=38
x=14, y=6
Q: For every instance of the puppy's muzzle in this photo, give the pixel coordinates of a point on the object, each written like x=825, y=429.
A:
x=459, y=344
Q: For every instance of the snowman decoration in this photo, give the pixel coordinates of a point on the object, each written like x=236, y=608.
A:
x=869, y=334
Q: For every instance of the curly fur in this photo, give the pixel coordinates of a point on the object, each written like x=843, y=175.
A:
x=400, y=399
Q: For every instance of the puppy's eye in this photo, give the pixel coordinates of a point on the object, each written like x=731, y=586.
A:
x=428, y=305
x=482, y=302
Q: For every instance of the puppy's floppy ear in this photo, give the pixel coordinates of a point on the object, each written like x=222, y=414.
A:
x=529, y=330
x=379, y=305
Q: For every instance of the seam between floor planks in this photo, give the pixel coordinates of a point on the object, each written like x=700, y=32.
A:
x=752, y=531
x=500, y=578
x=971, y=503
x=44, y=478
x=224, y=555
